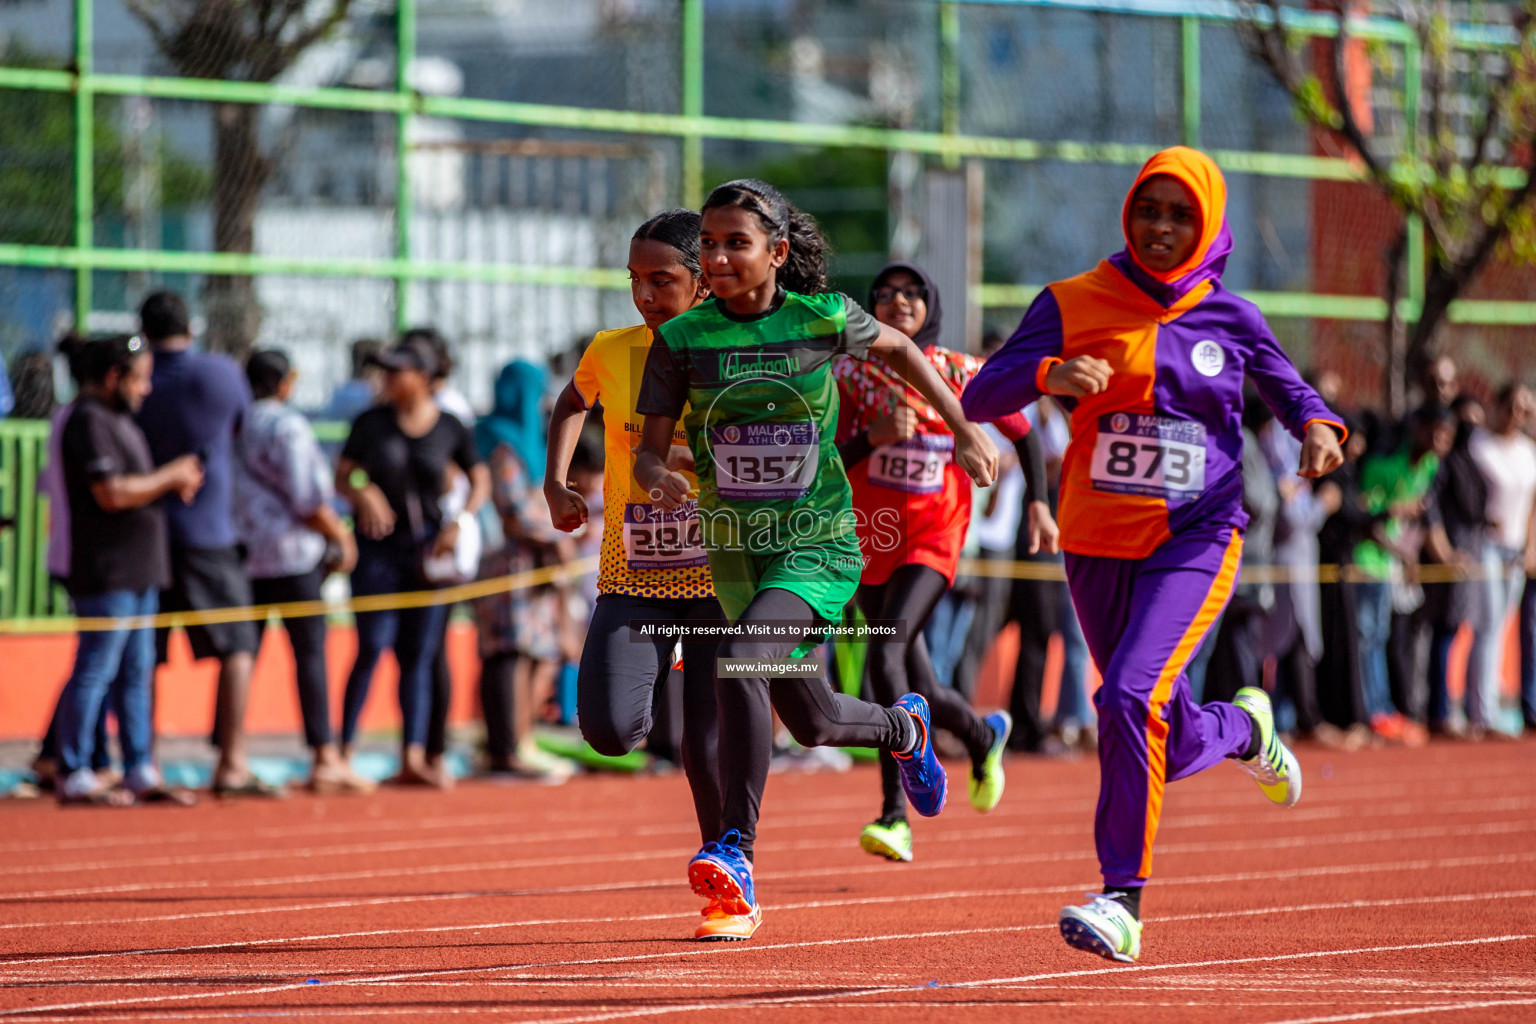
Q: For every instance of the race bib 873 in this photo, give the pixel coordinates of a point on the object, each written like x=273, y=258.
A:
x=765, y=461
x=1153, y=456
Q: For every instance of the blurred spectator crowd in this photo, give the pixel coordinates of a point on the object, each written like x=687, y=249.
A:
x=182, y=482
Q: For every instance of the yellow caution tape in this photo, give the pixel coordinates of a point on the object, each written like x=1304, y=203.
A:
x=1252, y=574
x=992, y=568
x=302, y=609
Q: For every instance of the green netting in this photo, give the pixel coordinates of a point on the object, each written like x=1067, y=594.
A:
x=825, y=62
x=617, y=56
x=1052, y=74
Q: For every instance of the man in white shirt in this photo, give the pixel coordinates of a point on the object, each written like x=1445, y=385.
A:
x=1507, y=458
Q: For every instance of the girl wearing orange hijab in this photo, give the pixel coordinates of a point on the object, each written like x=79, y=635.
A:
x=1149, y=352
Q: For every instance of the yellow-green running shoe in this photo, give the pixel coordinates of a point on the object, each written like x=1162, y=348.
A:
x=1274, y=768
x=889, y=839
x=987, y=787
x=1103, y=926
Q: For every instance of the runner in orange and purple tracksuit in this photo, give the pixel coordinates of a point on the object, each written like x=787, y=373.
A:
x=1149, y=352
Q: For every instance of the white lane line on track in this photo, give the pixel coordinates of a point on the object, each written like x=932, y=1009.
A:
x=947, y=835
x=1410, y=1011
x=1370, y=836
x=341, y=1012
x=1401, y=784
x=750, y=1003
x=716, y=950
x=661, y=883
x=1355, y=904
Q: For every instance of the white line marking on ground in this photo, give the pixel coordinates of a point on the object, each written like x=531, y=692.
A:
x=1269, y=840
x=725, y=1005
x=1361, y=783
x=947, y=835
x=1286, y=873
x=1436, y=1008
x=1355, y=904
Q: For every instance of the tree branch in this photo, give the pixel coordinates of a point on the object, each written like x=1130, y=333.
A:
x=1349, y=128
x=142, y=10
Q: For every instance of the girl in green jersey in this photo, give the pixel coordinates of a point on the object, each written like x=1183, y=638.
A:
x=753, y=367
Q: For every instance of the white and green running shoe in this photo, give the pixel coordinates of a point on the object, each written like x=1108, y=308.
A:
x=987, y=789
x=1274, y=768
x=1103, y=926
x=889, y=839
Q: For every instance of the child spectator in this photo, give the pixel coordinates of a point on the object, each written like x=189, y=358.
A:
x=293, y=540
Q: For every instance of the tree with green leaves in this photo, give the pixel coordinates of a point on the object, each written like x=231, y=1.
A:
x=246, y=41
x=1464, y=170
x=37, y=140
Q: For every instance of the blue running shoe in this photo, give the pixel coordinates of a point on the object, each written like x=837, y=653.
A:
x=720, y=872
x=921, y=774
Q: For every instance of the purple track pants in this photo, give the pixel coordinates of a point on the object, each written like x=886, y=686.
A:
x=1144, y=620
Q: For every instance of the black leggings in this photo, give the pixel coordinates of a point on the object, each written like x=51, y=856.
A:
x=896, y=667
x=622, y=678
x=307, y=637
x=814, y=715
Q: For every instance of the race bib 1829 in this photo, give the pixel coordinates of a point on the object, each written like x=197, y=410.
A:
x=655, y=538
x=1154, y=456
x=915, y=465
x=764, y=461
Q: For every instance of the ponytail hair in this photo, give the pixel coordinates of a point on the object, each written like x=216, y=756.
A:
x=805, y=271
x=678, y=229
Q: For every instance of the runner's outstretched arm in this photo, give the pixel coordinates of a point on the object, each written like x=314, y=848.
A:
x=974, y=450
x=567, y=508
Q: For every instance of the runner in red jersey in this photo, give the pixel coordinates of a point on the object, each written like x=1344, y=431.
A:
x=913, y=505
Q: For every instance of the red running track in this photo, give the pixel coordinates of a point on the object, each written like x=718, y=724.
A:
x=1403, y=886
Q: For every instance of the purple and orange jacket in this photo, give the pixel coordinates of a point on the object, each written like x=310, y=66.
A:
x=1179, y=345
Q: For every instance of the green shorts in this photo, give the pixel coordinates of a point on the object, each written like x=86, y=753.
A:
x=824, y=576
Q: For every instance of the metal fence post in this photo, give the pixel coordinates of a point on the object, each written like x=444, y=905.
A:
x=85, y=162
x=1189, y=59
x=405, y=53
x=693, y=101
x=949, y=76
x=1413, y=84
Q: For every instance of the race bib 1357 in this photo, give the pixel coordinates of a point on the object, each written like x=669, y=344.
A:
x=765, y=461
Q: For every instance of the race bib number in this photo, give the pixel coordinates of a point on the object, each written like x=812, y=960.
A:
x=765, y=461
x=915, y=465
x=655, y=538
x=1154, y=456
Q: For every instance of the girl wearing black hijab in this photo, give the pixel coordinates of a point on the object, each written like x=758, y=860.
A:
x=912, y=505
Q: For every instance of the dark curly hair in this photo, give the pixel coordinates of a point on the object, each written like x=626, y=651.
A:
x=806, y=269
x=678, y=229
x=92, y=359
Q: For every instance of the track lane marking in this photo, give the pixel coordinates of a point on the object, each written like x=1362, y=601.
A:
x=946, y=836
x=1368, y=836
x=1284, y=873
x=727, y=1005
x=1069, y=795
x=1355, y=904
x=1432, y=1008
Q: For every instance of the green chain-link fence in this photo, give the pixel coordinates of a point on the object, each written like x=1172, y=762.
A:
x=481, y=165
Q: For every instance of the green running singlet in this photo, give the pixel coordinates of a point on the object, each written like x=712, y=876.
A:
x=774, y=499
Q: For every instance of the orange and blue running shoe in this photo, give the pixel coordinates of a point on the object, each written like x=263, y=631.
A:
x=921, y=774
x=721, y=926
x=721, y=873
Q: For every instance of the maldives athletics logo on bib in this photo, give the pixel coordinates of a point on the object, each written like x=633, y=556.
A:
x=1209, y=358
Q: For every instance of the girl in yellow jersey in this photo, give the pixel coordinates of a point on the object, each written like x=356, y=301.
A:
x=653, y=568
